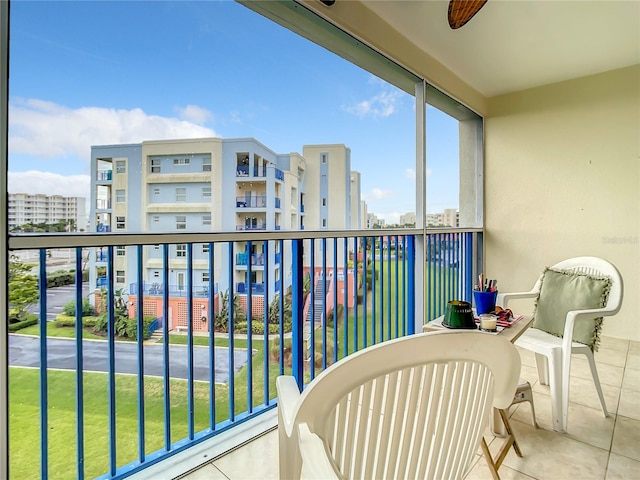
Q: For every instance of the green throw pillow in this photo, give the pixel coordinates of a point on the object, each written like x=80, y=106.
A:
x=562, y=291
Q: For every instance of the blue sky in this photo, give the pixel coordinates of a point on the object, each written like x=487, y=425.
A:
x=90, y=73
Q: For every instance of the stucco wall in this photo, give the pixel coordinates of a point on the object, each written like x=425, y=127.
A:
x=562, y=179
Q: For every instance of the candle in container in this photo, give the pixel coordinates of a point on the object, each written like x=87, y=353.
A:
x=488, y=322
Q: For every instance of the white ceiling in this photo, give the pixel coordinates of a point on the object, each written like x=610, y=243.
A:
x=512, y=45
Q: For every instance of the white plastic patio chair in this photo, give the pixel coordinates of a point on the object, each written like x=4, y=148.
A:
x=552, y=353
x=412, y=407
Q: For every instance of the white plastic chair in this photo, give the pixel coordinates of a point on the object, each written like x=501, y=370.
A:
x=553, y=354
x=411, y=407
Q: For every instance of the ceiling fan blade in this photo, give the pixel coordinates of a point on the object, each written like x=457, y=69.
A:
x=461, y=11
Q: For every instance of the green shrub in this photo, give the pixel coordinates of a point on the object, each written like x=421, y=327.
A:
x=70, y=308
x=257, y=328
x=63, y=320
x=340, y=310
x=30, y=320
x=60, y=278
x=123, y=326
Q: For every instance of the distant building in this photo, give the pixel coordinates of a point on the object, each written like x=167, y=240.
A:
x=408, y=219
x=373, y=221
x=40, y=208
x=451, y=217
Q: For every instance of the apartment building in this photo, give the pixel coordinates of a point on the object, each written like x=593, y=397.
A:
x=408, y=219
x=213, y=184
x=39, y=208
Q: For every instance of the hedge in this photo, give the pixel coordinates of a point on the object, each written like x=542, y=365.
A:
x=31, y=320
x=63, y=320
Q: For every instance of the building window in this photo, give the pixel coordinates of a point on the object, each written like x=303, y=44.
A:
x=121, y=196
x=205, y=248
x=121, y=166
x=206, y=219
x=120, y=251
x=181, y=161
x=205, y=277
x=324, y=223
x=156, y=219
x=206, y=164
x=156, y=274
x=120, y=223
x=324, y=202
x=323, y=158
x=181, y=194
x=156, y=191
x=181, y=222
x=206, y=192
x=155, y=165
x=181, y=250
x=120, y=276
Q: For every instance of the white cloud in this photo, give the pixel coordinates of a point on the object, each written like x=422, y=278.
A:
x=377, y=194
x=46, y=129
x=194, y=114
x=48, y=183
x=383, y=104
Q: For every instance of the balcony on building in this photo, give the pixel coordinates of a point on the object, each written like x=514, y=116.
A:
x=556, y=172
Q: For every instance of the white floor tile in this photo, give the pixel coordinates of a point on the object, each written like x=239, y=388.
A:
x=622, y=468
x=626, y=438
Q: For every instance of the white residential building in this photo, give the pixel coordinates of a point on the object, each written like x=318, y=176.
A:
x=39, y=208
x=215, y=184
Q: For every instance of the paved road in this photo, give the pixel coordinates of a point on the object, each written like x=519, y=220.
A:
x=57, y=297
x=24, y=351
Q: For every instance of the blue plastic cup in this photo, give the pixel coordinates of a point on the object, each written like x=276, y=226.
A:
x=485, y=301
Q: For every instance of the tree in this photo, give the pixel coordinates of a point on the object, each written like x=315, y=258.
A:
x=23, y=289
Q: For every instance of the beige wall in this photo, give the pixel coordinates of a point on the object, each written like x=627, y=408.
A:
x=562, y=179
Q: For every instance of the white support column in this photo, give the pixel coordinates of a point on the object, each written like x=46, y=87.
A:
x=421, y=204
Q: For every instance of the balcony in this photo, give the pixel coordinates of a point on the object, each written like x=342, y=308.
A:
x=154, y=289
x=279, y=175
x=260, y=226
x=256, y=288
x=103, y=204
x=257, y=259
x=104, y=175
x=277, y=202
x=253, y=201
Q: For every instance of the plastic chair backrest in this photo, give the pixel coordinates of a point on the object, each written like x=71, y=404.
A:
x=415, y=406
x=598, y=267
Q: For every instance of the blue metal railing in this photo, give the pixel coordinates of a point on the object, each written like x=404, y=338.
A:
x=342, y=294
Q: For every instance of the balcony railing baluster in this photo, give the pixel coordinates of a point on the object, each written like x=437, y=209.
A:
x=44, y=390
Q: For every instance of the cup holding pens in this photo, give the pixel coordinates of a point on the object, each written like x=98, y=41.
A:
x=485, y=302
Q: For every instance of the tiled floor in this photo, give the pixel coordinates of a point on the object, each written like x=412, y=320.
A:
x=595, y=447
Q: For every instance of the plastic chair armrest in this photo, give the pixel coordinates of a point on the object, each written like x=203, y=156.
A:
x=288, y=396
x=504, y=298
x=581, y=315
x=316, y=464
